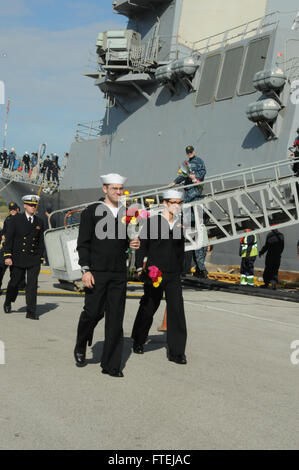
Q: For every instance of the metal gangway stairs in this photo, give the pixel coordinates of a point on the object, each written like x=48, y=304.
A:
x=231, y=202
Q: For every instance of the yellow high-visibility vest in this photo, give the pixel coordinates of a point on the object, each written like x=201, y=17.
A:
x=254, y=249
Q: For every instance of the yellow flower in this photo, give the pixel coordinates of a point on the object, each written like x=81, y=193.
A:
x=156, y=284
x=133, y=221
x=159, y=280
x=123, y=220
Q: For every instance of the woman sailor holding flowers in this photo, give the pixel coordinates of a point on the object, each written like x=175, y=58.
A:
x=159, y=262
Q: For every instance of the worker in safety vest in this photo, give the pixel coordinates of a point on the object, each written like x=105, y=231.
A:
x=248, y=253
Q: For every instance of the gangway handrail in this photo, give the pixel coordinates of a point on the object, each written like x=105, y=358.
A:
x=218, y=218
x=228, y=176
x=222, y=177
x=67, y=210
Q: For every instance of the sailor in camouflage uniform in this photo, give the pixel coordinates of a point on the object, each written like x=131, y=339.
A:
x=24, y=247
x=198, y=169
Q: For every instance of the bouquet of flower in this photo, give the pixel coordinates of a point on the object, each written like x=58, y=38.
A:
x=185, y=170
x=134, y=220
x=155, y=275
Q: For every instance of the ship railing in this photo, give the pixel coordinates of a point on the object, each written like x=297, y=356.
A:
x=38, y=180
x=135, y=57
x=150, y=52
x=67, y=217
x=88, y=130
x=147, y=54
x=229, y=181
x=238, y=33
x=20, y=176
x=182, y=48
x=92, y=67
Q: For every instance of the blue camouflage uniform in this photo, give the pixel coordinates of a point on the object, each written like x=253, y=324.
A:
x=197, y=167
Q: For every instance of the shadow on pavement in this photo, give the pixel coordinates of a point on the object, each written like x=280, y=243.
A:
x=153, y=343
x=41, y=309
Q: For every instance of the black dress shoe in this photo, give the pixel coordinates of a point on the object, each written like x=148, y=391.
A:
x=32, y=316
x=200, y=274
x=113, y=372
x=80, y=359
x=7, y=308
x=138, y=348
x=180, y=359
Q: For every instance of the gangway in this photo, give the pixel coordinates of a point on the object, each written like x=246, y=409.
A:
x=253, y=198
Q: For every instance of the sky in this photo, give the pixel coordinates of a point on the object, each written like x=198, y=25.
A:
x=44, y=49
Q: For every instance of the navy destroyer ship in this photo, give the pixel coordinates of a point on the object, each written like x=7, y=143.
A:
x=221, y=76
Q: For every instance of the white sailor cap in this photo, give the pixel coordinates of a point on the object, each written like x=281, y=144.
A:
x=31, y=199
x=113, y=178
x=172, y=194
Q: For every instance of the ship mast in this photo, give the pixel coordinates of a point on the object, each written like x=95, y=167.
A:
x=6, y=123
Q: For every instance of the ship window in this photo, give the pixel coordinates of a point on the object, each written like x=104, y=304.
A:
x=206, y=90
x=230, y=73
x=255, y=61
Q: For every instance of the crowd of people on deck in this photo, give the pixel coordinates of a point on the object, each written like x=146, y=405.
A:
x=49, y=166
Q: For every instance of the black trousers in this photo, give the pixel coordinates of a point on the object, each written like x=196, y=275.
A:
x=17, y=275
x=271, y=271
x=247, y=266
x=109, y=295
x=55, y=177
x=3, y=268
x=176, y=322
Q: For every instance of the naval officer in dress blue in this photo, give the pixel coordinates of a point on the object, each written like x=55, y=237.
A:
x=24, y=248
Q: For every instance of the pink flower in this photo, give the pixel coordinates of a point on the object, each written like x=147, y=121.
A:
x=144, y=214
x=132, y=212
x=153, y=272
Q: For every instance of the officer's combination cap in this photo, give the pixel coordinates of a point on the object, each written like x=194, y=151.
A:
x=31, y=199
